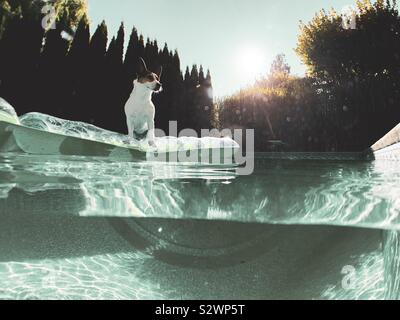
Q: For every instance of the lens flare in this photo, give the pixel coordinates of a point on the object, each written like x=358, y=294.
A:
x=251, y=62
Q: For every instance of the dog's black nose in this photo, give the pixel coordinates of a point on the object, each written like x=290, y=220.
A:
x=158, y=86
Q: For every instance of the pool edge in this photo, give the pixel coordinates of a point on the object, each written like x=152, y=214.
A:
x=386, y=148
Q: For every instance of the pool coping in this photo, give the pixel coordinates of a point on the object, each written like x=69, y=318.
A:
x=388, y=147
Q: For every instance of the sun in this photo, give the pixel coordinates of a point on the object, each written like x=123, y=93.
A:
x=251, y=62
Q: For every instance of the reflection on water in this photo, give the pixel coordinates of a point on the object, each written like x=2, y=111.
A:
x=47, y=202
x=354, y=193
x=98, y=277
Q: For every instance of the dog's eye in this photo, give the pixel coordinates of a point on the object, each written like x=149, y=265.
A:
x=150, y=77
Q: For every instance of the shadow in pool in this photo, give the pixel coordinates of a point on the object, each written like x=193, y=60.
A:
x=28, y=233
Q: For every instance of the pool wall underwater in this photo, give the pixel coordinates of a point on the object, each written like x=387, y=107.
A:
x=388, y=148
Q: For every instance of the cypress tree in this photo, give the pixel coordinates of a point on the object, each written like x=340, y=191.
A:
x=141, y=45
x=110, y=53
x=29, y=62
x=177, y=65
x=201, y=76
x=134, y=51
x=178, y=87
x=113, y=112
x=85, y=80
x=194, y=76
x=176, y=81
x=194, y=97
x=52, y=70
x=155, y=56
x=119, y=46
x=98, y=44
x=148, y=54
x=96, y=84
x=206, y=106
x=19, y=56
x=164, y=100
x=200, y=104
x=80, y=45
x=187, y=100
x=78, y=72
x=208, y=79
x=151, y=55
x=8, y=62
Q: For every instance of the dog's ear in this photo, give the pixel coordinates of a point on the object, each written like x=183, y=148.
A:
x=142, y=70
x=159, y=72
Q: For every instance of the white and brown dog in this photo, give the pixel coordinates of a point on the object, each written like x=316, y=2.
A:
x=139, y=109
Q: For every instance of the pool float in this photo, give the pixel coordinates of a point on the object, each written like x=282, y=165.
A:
x=40, y=134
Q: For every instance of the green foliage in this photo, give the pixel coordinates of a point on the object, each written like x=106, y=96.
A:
x=79, y=77
x=349, y=99
x=279, y=65
x=5, y=13
x=372, y=49
x=68, y=12
x=356, y=70
x=73, y=10
x=278, y=107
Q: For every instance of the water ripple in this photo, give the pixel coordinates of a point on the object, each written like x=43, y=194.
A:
x=90, y=278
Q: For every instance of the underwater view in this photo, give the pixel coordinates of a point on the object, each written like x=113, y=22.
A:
x=78, y=228
x=199, y=150
x=309, y=226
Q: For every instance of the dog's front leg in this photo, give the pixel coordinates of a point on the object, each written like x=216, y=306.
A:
x=130, y=127
x=151, y=134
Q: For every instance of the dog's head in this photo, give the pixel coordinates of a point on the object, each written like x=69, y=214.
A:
x=149, y=79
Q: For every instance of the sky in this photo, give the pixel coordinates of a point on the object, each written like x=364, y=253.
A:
x=236, y=40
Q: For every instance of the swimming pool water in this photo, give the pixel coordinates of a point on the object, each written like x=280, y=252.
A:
x=94, y=228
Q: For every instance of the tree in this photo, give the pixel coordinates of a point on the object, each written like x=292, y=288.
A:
x=205, y=100
x=77, y=73
x=166, y=98
x=332, y=52
x=357, y=70
x=96, y=85
x=279, y=65
x=5, y=13
x=202, y=77
x=278, y=107
x=66, y=73
x=52, y=71
x=110, y=113
x=72, y=10
x=194, y=76
x=19, y=59
x=134, y=51
x=68, y=12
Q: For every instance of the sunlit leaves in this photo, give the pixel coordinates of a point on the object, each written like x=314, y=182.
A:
x=332, y=52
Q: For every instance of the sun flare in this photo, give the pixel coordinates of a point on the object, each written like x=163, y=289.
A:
x=251, y=62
